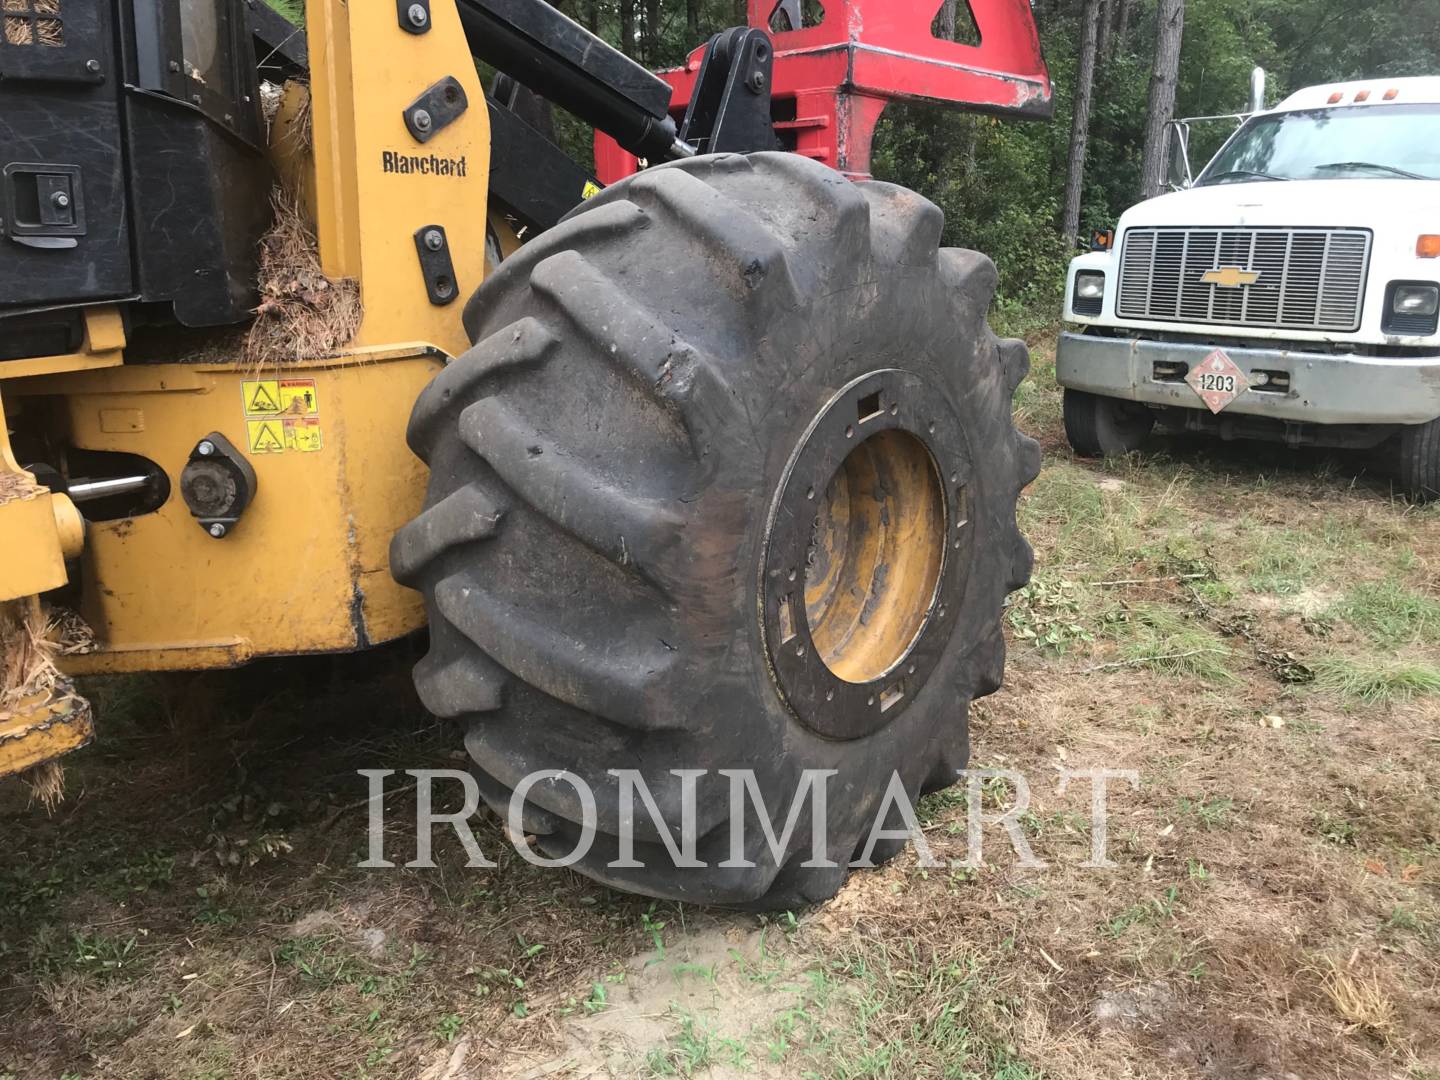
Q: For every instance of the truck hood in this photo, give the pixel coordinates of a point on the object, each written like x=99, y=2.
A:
x=1351, y=203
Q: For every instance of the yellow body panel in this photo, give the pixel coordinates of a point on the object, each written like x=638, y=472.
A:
x=41, y=716
x=103, y=347
x=306, y=569
x=365, y=71
x=31, y=537
x=43, y=727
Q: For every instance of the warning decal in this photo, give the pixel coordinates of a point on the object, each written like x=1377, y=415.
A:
x=261, y=397
x=281, y=415
x=299, y=433
x=298, y=397
x=266, y=436
x=303, y=434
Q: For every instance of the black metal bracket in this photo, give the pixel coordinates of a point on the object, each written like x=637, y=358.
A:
x=530, y=177
x=730, y=109
x=434, y=251
x=414, y=15
x=436, y=109
x=280, y=45
x=564, y=63
x=217, y=484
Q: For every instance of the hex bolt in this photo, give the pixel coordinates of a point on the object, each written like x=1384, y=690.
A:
x=418, y=15
x=174, y=65
x=60, y=200
x=217, y=530
x=757, y=81
x=433, y=240
x=206, y=448
x=422, y=120
x=92, y=66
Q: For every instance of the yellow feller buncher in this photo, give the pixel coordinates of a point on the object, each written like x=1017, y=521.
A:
x=702, y=460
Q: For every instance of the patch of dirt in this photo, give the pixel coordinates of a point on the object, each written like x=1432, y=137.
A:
x=705, y=981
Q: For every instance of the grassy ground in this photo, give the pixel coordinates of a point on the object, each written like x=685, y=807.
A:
x=1256, y=633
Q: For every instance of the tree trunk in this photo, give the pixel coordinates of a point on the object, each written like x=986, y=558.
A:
x=627, y=27
x=945, y=21
x=692, y=24
x=1122, y=25
x=1106, y=23
x=1169, y=25
x=592, y=16
x=650, y=33
x=1080, y=119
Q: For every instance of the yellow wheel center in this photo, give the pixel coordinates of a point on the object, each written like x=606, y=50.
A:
x=876, y=551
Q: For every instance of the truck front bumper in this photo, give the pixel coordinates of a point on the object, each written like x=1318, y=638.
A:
x=1323, y=388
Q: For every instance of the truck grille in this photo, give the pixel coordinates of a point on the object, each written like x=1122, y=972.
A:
x=1309, y=279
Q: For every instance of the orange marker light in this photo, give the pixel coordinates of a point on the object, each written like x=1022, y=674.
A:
x=1391, y=94
x=1427, y=246
x=1335, y=97
x=1363, y=95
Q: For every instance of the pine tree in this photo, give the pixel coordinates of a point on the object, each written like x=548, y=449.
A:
x=1090, y=17
x=1169, y=27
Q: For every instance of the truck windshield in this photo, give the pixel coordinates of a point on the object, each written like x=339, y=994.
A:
x=1400, y=141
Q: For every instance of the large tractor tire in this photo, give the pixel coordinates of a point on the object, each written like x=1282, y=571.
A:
x=728, y=481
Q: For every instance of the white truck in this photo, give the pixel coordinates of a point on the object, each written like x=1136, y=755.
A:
x=1291, y=292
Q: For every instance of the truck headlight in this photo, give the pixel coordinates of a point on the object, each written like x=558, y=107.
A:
x=1411, y=307
x=1089, y=292
x=1416, y=300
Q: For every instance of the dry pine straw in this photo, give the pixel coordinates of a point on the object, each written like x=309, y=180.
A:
x=21, y=31
x=28, y=645
x=303, y=314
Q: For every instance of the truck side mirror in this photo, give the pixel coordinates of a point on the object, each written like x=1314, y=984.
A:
x=1178, y=159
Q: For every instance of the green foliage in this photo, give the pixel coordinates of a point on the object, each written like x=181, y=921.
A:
x=1047, y=613
x=294, y=10
x=1374, y=680
x=1391, y=614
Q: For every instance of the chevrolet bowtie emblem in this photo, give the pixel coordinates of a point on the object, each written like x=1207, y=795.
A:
x=1230, y=277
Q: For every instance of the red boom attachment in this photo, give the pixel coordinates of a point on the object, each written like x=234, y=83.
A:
x=833, y=80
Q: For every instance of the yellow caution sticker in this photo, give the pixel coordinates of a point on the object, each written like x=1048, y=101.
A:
x=299, y=433
x=261, y=397
x=590, y=190
x=265, y=436
x=298, y=397
x=303, y=434
x=281, y=415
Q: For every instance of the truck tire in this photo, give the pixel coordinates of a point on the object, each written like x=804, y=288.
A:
x=1419, y=446
x=733, y=426
x=1099, y=426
